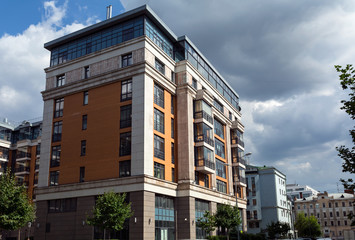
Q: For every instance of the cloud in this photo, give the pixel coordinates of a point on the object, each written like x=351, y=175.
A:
x=22, y=60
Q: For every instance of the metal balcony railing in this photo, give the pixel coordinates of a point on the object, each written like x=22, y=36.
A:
x=236, y=140
x=238, y=159
x=204, y=138
x=22, y=169
x=204, y=115
x=23, y=155
x=205, y=163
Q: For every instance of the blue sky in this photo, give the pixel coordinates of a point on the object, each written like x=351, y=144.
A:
x=279, y=56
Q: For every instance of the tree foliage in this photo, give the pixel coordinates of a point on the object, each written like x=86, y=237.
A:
x=347, y=82
x=307, y=226
x=227, y=217
x=278, y=228
x=207, y=222
x=110, y=212
x=16, y=210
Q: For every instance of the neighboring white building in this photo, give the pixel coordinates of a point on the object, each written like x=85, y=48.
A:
x=300, y=191
x=267, y=199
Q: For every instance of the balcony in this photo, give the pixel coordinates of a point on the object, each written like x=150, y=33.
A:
x=204, y=115
x=4, y=157
x=22, y=170
x=240, y=181
x=204, y=138
x=37, y=167
x=237, y=160
x=235, y=141
x=205, y=166
x=23, y=156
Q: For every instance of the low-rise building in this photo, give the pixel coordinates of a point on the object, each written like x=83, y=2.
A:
x=296, y=191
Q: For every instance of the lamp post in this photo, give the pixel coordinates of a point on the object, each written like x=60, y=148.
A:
x=236, y=188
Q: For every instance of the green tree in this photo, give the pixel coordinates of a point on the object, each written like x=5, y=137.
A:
x=307, y=226
x=227, y=217
x=347, y=82
x=207, y=222
x=16, y=210
x=277, y=229
x=110, y=212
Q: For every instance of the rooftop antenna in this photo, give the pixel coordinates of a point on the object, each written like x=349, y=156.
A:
x=109, y=12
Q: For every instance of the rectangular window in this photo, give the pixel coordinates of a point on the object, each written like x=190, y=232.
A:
x=85, y=98
x=84, y=122
x=86, y=72
x=53, y=178
x=55, y=158
x=126, y=90
x=60, y=80
x=159, y=170
x=207, y=181
x=164, y=218
x=173, y=174
x=343, y=204
x=158, y=96
x=159, y=66
x=126, y=116
x=219, y=129
x=125, y=168
x=220, y=168
x=172, y=104
x=58, y=109
x=218, y=105
x=57, y=131
x=172, y=76
x=125, y=144
x=196, y=178
x=62, y=205
x=172, y=153
x=83, y=148
x=82, y=174
x=172, y=128
x=127, y=60
x=219, y=148
x=254, y=202
x=200, y=208
x=221, y=186
x=194, y=83
x=203, y=110
x=159, y=146
x=158, y=120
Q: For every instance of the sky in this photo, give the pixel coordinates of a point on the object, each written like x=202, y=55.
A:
x=279, y=56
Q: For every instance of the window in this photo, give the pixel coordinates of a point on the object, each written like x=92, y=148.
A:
x=82, y=174
x=60, y=80
x=173, y=174
x=86, y=72
x=336, y=204
x=331, y=223
x=62, y=205
x=126, y=116
x=219, y=148
x=337, y=214
x=194, y=83
x=125, y=144
x=218, y=129
x=344, y=213
x=158, y=96
x=164, y=217
x=125, y=168
x=53, y=178
x=345, y=222
x=255, y=213
x=172, y=76
x=172, y=128
x=85, y=98
x=126, y=90
x=220, y=168
x=57, y=131
x=127, y=60
x=172, y=104
x=230, y=116
x=159, y=146
x=159, y=170
x=323, y=205
x=59, y=105
x=325, y=214
x=221, y=186
x=343, y=204
x=158, y=120
x=325, y=223
x=172, y=153
x=84, y=122
x=196, y=178
x=330, y=205
x=200, y=208
x=206, y=181
x=83, y=148
x=218, y=105
x=159, y=66
x=55, y=158
x=338, y=223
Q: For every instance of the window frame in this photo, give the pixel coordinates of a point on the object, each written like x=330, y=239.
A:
x=126, y=116
x=84, y=122
x=160, y=66
x=159, y=147
x=58, y=107
x=125, y=144
x=126, y=60
x=85, y=98
x=124, y=168
x=60, y=80
x=55, y=156
x=159, y=170
x=126, y=90
x=83, y=148
x=159, y=121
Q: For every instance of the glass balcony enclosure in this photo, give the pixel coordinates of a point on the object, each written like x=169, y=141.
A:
x=237, y=137
x=4, y=153
x=204, y=158
x=203, y=133
x=203, y=110
x=238, y=155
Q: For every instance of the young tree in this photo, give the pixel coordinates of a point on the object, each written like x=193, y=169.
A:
x=307, y=226
x=207, y=222
x=227, y=217
x=347, y=82
x=278, y=228
x=110, y=212
x=16, y=210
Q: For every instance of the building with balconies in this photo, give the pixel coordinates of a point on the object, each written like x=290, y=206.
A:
x=296, y=191
x=267, y=199
x=130, y=107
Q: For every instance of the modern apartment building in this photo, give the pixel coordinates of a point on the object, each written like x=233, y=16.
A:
x=130, y=107
x=296, y=191
x=267, y=199
x=332, y=212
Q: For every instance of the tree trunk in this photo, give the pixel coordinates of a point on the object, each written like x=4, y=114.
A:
x=19, y=235
x=228, y=234
x=104, y=233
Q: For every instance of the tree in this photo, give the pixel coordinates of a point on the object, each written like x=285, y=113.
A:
x=227, y=217
x=110, y=212
x=347, y=81
x=278, y=228
x=16, y=210
x=307, y=226
x=207, y=222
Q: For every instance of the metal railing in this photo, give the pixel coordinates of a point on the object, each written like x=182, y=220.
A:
x=23, y=155
x=205, y=163
x=237, y=141
x=204, y=138
x=237, y=159
x=204, y=115
x=22, y=169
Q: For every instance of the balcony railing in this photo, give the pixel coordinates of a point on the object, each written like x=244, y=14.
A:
x=238, y=159
x=204, y=138
x=240, y=179
x=237, y=141
x=204, y=115
x=23, y=155
x=22, y=169
x=205, y=163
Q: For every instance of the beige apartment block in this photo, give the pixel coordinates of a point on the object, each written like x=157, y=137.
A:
x=332, y=212
x=129, y=107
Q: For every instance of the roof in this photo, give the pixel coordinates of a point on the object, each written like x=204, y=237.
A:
x=331, y=196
